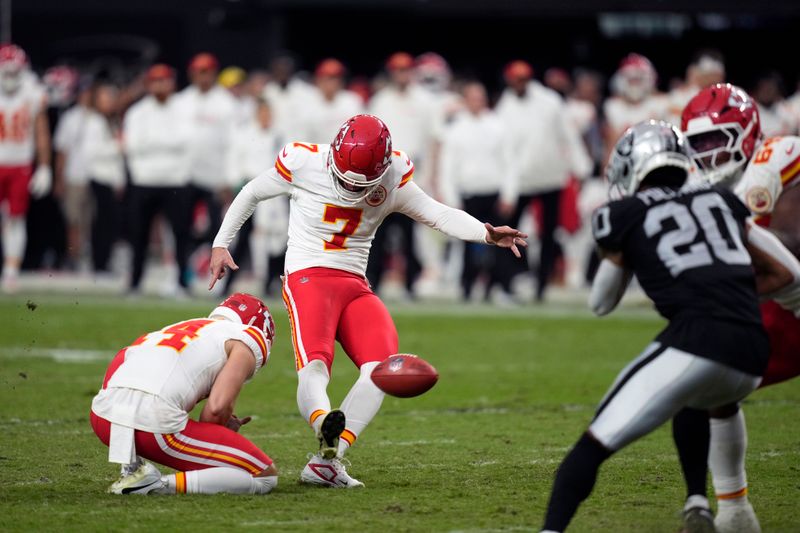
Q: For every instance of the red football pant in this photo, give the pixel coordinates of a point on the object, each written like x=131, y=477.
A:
x=327, y=305
x=783, y=329
x=14, y=189
x=199, y=445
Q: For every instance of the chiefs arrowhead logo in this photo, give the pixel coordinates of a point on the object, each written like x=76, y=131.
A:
x=377, y=197
x=759, y=200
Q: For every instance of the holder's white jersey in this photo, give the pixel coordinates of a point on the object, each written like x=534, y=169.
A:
x=167, y=372
x=774, y=168
x=18, y=112
x=326, y=232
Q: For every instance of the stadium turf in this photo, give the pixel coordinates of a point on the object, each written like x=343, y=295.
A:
x=476, y=453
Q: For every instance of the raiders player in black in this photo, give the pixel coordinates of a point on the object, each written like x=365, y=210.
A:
x=688, y=246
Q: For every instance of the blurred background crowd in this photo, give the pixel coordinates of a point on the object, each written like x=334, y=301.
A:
x=143, y=164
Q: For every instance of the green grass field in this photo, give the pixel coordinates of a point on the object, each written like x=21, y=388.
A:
x=476, y=453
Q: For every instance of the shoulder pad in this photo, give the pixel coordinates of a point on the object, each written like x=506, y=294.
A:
x=293, y=156
x=402, y=166
x=611, y=223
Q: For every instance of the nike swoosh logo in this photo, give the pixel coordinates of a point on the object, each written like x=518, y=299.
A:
x=284, y=152
x=790, y=150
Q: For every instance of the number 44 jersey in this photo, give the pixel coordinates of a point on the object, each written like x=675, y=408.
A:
x=686, y=248
x=166, y=373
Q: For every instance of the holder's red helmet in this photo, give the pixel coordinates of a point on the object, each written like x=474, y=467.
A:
x=248, y=310
x=360, y=157
x=722, y=126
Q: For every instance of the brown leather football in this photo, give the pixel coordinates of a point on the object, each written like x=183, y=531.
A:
x=404, y=375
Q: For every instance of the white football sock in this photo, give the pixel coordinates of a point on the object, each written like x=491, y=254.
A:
x=726, y=457
x=360, y=406
x=216, y=480
x=312, y=392
x=14, y=237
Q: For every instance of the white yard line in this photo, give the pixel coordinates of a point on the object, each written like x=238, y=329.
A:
x=59, y=355
x=413, y=442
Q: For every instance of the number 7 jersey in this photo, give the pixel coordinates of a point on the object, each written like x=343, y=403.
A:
x=687, y=250
x=326, y=232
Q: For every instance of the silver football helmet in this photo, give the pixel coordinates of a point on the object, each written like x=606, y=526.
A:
x=643, y=148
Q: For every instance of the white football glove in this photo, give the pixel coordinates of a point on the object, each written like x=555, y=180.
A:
x=41, y=181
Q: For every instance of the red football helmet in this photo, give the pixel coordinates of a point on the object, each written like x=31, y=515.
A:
x=432, y=72
x=723, y=129
x=61, y=82
x=12, y=56
x=13, y=60
x=247, y=309
x=635, y=79
x=360, y=157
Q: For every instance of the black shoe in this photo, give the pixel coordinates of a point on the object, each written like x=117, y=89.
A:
x=329, y=432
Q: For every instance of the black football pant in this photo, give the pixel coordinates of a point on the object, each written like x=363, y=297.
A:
x=105, y=224
x=202, y=195
x=509, y=266
x=145, y=203
x=401, y=226
x=478, y=257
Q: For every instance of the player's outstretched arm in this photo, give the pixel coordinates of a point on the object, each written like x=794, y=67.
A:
x=240, y=366
x=412, y=201
x=263, y=187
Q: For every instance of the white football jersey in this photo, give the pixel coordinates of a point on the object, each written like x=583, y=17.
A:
x=18, y=112
x=326, y=232
x=774, y=168
x=167, y=372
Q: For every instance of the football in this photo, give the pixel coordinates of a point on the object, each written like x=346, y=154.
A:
x=404, y=375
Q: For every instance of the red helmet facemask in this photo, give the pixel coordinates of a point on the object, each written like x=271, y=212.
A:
x=359, y=158
x=248, y=310
x=722, y=127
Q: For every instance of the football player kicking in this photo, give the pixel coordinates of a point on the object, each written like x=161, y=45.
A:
x=142, y=411
x=722, y=127
x=339, y=195
x=688, y=247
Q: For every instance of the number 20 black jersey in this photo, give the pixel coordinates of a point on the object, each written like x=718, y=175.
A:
x=686, y=247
